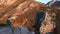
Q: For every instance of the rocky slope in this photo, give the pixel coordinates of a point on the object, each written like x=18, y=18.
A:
x=25, y=9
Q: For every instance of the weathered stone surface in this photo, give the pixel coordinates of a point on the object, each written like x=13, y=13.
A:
x=20, y=9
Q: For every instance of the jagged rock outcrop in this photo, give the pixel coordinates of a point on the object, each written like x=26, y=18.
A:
x=56, y=3
x=25, y=9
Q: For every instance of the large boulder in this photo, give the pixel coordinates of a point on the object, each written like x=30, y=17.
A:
x=27, y=9
x=56, y=4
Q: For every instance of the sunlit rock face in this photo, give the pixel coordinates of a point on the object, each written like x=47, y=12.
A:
x=16, y=8
x=19, y=11
x=6, y=6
